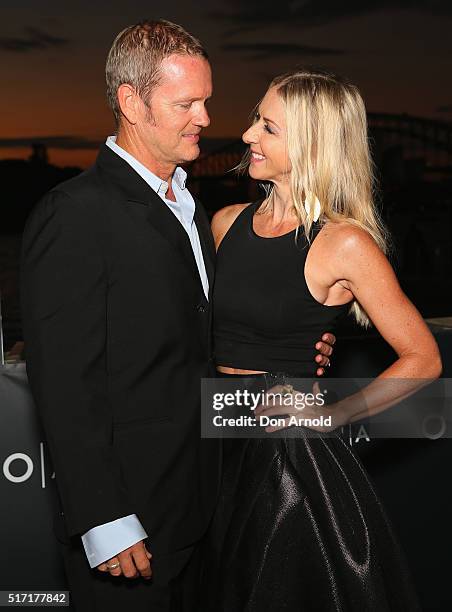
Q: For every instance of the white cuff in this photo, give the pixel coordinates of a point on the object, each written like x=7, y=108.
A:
x=105, y=541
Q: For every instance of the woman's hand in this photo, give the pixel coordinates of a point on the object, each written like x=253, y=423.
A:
x=292, y=407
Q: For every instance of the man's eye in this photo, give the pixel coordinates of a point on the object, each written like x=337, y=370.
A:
x=186, y=106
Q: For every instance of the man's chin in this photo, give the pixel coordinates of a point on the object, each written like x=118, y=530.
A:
x=190, y=153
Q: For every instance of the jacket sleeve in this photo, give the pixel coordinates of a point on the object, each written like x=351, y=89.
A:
x=64, y=291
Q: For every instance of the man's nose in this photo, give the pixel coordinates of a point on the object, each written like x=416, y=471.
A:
x=202, y=119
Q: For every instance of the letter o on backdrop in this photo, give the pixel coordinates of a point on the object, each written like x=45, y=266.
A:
x=26, y=475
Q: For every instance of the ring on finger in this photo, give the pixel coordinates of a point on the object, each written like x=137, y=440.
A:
x=113, y=565
x=287, y=389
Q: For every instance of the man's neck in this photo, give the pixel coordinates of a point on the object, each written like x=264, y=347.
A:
x=163, y=170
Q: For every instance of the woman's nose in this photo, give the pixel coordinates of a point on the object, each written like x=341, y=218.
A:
x=249, y=136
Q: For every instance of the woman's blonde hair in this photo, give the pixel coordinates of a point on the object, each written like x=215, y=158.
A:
x=328, y=148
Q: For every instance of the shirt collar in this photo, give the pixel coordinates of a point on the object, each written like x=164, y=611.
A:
x=155, y=182
x=180, y=176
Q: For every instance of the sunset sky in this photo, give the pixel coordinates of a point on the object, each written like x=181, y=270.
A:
x=53, y=56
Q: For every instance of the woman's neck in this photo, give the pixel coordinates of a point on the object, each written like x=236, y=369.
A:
x=279, y=206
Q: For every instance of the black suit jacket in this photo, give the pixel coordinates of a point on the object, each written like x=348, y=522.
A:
x=117, y=336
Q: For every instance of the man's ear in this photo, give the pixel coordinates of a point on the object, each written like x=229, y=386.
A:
x=129, y=102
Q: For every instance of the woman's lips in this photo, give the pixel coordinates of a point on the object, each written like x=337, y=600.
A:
x=256, y=158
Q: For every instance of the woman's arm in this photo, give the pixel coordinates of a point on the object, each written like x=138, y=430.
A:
x=360, y=266
x=369, y=276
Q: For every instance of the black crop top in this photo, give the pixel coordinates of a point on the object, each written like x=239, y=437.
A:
x=264, y=316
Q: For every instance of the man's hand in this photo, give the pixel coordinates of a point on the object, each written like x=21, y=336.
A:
x=131, y=562
x=325, y=348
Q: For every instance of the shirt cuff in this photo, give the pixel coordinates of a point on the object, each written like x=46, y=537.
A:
x=105, y=541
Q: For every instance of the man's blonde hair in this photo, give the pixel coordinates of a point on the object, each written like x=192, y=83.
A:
x=136, y=55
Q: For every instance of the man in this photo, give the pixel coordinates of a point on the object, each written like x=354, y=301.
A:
x=117, y=268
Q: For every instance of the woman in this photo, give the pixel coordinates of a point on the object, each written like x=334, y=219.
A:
x=298, y=525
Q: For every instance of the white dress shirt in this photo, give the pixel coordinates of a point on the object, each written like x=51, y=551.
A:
x=105, y=541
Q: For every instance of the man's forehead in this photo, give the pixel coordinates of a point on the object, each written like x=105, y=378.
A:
x=178, y=67
x=185, y=81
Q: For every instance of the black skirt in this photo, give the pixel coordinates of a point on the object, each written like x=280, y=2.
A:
x=299, y=527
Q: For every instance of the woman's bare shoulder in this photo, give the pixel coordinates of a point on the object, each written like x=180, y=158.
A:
x=344, y=249
x=347, y=236
x=223, y=219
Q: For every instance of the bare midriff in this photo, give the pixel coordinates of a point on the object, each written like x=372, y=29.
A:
x=237, y=371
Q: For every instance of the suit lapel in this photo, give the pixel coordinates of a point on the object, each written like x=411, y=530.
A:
x=169, y=227
x=138, y=194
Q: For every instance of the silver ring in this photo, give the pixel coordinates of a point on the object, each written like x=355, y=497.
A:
x=113, y=566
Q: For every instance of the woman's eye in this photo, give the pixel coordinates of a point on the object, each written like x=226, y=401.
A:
x=267, y=129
